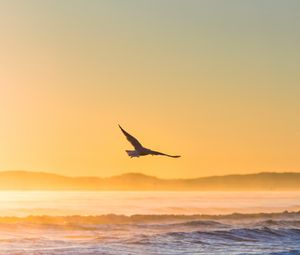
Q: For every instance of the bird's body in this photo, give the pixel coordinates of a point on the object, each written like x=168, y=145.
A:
x=139, y=150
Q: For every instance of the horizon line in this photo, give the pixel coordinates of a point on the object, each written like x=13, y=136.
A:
x=146, y=175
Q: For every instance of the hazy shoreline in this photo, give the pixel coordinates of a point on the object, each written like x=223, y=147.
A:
x=266, y=181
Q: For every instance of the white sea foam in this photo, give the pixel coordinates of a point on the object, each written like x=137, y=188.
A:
x=147, y=224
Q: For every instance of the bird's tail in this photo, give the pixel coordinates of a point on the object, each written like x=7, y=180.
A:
x=132, y=153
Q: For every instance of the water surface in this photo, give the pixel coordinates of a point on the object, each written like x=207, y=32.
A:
x=149, y=223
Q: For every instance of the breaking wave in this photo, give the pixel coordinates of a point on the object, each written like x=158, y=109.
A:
x=266, y=218
x=233, y=234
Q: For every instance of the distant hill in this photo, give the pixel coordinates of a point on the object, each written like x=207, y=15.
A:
x=23, y=180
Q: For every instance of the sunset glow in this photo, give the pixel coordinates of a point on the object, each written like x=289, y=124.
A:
x=217, y=83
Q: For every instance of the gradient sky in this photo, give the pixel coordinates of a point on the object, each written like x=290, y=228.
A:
x=215, y=81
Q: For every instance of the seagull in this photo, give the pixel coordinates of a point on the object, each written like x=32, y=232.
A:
x=139, y=149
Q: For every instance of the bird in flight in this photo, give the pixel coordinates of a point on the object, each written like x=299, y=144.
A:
x=139, y=150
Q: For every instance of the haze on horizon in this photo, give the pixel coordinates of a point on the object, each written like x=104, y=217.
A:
x=216, y=80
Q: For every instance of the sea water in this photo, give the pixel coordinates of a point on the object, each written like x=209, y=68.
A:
x=113, y=223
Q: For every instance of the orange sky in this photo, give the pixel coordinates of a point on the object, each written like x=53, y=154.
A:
x=218, y=84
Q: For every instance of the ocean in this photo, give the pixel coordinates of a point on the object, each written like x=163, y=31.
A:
x=149, y=223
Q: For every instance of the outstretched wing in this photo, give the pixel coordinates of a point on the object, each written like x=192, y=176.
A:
x=135, y=143
x=151, y=152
